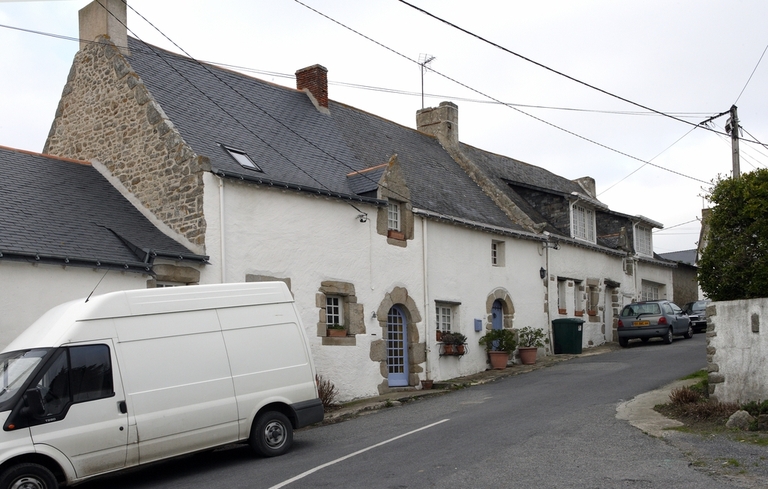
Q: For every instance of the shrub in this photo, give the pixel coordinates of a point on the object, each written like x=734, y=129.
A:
x=327, y=391
x=684, y=395
x=756, y=408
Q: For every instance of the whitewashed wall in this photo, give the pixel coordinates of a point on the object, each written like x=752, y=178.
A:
x=737, y=350
x=460, y=270
x=310, y=240
x=27, y=291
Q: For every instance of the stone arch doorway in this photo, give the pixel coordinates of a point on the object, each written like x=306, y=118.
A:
x=398, y=306
x=500, y=310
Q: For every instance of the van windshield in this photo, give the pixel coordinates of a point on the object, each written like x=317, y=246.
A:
x=15, y=369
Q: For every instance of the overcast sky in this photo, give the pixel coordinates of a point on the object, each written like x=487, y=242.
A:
x=689, y=58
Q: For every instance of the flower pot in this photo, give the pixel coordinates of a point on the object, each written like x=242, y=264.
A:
x=439, y=335
x=337, y=332
x=426, y=384
x=460, y=349
x=528, y=355
x=499, y=359
x=449, y=350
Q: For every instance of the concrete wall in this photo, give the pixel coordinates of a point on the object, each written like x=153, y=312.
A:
x=737, y=350
x=28, y=290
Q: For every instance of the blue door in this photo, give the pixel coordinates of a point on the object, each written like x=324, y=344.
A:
x=497, y=315
x=397, y=348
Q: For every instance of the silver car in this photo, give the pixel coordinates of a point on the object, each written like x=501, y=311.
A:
x=697, y=312
x=646, y=320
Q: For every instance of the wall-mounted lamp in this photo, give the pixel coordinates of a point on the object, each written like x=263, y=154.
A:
x=373, y=315
x=542, y=273
x=362, y=217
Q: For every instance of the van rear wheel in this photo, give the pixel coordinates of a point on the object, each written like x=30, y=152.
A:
x=28, y=476
x=272, y=434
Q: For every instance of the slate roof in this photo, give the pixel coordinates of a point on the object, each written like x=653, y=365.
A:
x=296, y=145
x=56, y=210
x=686, y=256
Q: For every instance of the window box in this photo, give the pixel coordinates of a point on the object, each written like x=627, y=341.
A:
x=578, y=313
x=562, y=311
x=592, y=312
x=391, y=233
x=336, y=330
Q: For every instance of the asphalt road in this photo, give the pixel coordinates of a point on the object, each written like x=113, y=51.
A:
x=554, y=427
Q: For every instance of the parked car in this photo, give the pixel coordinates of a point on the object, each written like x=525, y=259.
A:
x=646, y=320
x=697, y=312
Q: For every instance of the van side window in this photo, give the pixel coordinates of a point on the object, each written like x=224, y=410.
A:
x=90, y=372
x=77, y=374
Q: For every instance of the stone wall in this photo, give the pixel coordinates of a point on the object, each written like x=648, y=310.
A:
x=737, y=350
x=106, y=113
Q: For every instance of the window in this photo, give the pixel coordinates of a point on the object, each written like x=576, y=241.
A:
x=643, y=244
x=583, y=223
x=443, y=317
x=497, y=253
x=651, y=291
x=393, y=216
x=242, y=158
x=77, y=374
x=333, y=311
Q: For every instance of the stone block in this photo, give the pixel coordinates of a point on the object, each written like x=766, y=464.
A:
x=715, y=378
x=399, y=295
x=356, y=318
x=378, y=351
x=417, y=353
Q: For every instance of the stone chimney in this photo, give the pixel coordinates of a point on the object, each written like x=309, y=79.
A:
x=588, y=184
x=314, y=79
x=442, y=121
x=105, y=18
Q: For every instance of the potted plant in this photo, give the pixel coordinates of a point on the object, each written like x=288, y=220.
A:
x=336, y=330
x=453, y=343
x=499, y=343
x=530, y=340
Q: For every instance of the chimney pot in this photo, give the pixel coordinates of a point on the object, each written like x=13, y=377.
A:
x=315, y=79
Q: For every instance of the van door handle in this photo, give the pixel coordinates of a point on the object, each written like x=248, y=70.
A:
x=122, y=407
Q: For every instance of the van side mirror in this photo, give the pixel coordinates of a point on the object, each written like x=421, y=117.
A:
x=34, y=405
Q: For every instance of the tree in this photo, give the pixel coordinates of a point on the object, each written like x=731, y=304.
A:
x=734, y=263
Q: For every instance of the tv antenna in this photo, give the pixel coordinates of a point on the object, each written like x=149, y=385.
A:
x=424, y=60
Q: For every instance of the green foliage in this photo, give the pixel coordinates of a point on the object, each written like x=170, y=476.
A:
x=756, y=408
x=532, y=337
x=734, y=264
x=499, y=340
x=334, y=326
x=454, y=339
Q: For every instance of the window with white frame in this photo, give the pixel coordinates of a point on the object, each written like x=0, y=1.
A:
x=443, y=317
x=393, y=216
x=497, y=253
x=643, y=243
x=333, y=311
x=583, y=223
x=651, y=291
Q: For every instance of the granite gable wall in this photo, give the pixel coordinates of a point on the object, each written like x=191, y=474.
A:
x=106, y=113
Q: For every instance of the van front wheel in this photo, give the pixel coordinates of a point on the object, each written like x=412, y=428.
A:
x=28, y=476
x=272, y=434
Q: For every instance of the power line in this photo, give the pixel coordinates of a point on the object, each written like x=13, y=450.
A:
x=751, y=74
x=394, y=91
x=499, y=101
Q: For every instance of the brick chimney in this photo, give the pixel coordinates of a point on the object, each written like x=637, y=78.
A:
x=104, y=18
x=441, y=122
x=315, y=79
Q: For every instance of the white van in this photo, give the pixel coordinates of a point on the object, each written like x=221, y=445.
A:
x=132, y=377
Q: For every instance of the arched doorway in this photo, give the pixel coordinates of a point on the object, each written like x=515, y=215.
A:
x=397, y=348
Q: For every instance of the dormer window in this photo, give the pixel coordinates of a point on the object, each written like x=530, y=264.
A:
x=242, y=158
x=643, y=240
x=582, y=222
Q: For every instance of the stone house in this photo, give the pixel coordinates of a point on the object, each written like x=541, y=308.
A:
x=392, y=233
x=66, y=231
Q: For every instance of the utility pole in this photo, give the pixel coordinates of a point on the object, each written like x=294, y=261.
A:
x=732, y=126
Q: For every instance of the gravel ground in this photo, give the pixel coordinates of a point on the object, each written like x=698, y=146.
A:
x=723, y=456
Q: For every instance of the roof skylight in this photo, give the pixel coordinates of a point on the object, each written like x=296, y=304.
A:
x=242, y=158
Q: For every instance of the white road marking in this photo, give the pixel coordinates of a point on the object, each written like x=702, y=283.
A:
x=333, y=462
